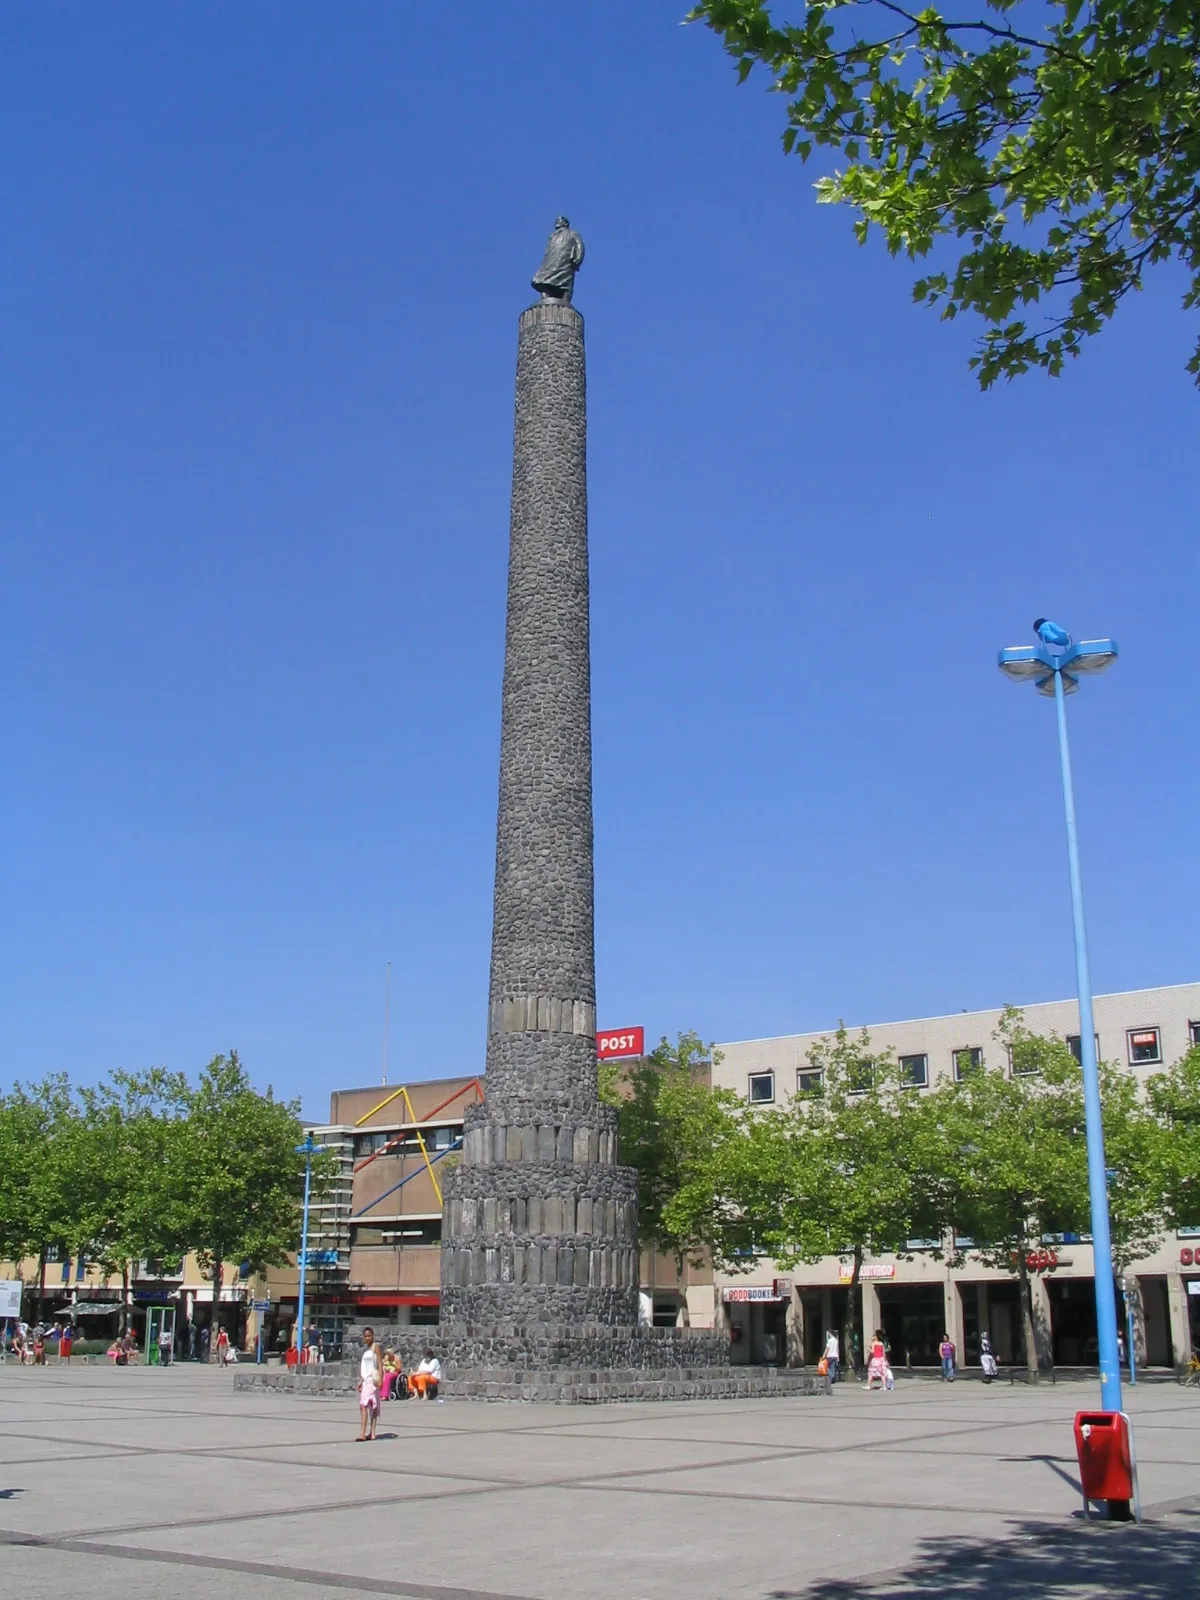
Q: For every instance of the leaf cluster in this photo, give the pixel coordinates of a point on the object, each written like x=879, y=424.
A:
x=1063, y=155
x=150, y=1166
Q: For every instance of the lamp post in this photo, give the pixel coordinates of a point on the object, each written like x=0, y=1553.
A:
x=308, y=1149
x=1054, y=665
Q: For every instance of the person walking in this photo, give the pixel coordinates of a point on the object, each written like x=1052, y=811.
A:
x=946, y=1351
x=222, y=1347
x=877, y=1364
x=368, y=1387
x=986, y=1359
x=164, y=1346
x=833, y=1354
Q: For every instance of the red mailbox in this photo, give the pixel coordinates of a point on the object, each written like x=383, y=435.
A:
x=1105, y=1451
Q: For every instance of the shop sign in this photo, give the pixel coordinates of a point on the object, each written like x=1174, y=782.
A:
x=1042, y=1260
x=871, y=1270
x=620, y=1042
x=783, y=1288
x=1193, y=1286
x=1186, y=1256
x=755, y=1292
x=10, y=1297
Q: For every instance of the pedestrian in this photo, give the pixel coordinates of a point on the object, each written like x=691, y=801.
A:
x=39, y=1347
x=877, y=1365
x=65, y=1341
x=314, y=1344
x=424, y=1381
x=368, y=1387
x=205, y=1341
x=986, y=1359
x=164, y=1346
x=833, y=1353
x=222, y=1347
x=946, y=1351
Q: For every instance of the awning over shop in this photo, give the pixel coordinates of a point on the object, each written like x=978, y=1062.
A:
x=203, y=1297
x=91, y=1308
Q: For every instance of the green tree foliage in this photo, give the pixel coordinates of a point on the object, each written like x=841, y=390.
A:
x=662, y=1104
x=133, y=1130
x=48, y=1184
x=1058, y=142
x=1014, y=1144
x=235, y=1180
x=1175, y=1099
x=852, y=1165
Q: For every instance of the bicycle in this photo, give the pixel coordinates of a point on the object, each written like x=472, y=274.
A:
x=1191, y=1373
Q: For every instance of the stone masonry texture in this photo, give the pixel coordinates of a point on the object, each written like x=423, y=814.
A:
x=539, y=1222
x=539, y=1292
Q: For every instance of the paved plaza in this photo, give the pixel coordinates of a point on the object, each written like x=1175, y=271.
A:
x=144, y=1483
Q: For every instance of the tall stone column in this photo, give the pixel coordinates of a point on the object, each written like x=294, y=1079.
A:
x=539, y=1222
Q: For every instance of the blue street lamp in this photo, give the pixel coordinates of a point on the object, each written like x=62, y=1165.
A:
x=308, y=1149
x=1055, y=665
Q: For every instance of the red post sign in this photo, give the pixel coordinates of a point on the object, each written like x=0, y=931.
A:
x=620, y=1042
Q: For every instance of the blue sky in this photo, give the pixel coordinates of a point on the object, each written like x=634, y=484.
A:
x=261, y=276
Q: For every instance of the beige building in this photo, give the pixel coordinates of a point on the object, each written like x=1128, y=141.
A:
x=775, y=1314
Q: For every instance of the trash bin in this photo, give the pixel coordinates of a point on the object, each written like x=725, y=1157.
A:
x=1104, y=1446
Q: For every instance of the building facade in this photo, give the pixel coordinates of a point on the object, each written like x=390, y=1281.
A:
x=775, y=1313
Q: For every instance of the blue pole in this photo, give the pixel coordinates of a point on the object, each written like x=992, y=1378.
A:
x=307, y=1147
x=1106, y=1300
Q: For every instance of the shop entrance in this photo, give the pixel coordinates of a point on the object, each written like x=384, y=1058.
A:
x=757, y=1332
x=1073, y=1322
x=914, y=1319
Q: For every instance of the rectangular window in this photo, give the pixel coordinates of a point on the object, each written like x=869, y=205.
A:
x=762, y=1087
x=1144, y=1047
x=1074, y=1045
x=922, y=1244
x=860, y=1077
x=967, y=1061
x=914, y=1071
x=1187, y=1233
x=809, y=1083
x=1194, y=1032
x=1023, y=1059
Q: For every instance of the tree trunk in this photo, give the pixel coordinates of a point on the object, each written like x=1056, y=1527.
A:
x=41, y=1294
x=850, y=1322
x=214, y=1327
x=124, y=1298
x=1031, y=1349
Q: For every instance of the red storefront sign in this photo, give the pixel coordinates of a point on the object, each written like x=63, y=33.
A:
x=620, y=1042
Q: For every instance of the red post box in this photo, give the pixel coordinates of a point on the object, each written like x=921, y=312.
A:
x=1106, y=1469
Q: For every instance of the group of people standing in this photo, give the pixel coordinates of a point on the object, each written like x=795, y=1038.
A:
x=879, y=1369
x=384, y=1378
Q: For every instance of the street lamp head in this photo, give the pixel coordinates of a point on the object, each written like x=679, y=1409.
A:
x=1051, y=634
x=1039, y=664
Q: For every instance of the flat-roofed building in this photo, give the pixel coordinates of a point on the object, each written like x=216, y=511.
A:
x=775, y=1313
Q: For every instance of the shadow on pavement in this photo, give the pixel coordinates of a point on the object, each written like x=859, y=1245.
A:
x=1158, y=1561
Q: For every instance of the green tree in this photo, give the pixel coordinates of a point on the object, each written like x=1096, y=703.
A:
x=1060, y=144
x=1012, y=1139
x=852, y=1165
x=132, y=1123
x=234, y=1181
x=1174, y=1097
x=48, y=1182
x=664, y=1104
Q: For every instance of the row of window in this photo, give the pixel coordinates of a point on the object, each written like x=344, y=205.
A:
x=1143, y=1047
x=405, y=1143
